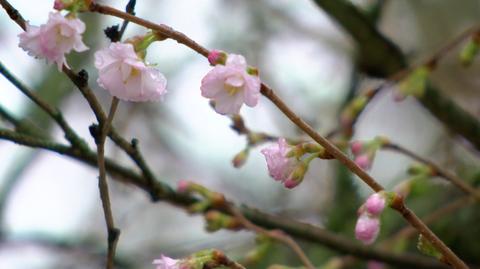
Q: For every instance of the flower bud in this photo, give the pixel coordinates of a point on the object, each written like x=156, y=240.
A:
x=372, y=264
x=415, y=82
x=356, y=147
x=296, y=177
x=470, y=50
x=217, y=57
x=375, y=204
x=367, y=229
x=240, y=159
x=183, y=186
x=363, y=161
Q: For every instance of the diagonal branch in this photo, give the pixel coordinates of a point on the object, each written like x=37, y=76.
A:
x=380, y=57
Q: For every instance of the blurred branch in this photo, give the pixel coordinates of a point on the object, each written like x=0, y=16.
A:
x=378, y=56
x=86, y=248
x=113, y=232
x=433, y=216
x=54, y=113
x=274, y=234
x=437, y=170
x=301, y=230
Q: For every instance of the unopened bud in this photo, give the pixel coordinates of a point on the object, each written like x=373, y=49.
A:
x=217, y=57
x=240, y=159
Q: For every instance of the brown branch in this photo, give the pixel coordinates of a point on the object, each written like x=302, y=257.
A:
x=278, y=235
x=437, y=170
x=432, y=217
x=431, y=61
x=113, y=232
x=53, y=112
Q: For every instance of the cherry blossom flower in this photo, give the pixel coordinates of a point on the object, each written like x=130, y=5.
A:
x=367, y=228
x=281, y=167
x=166, y=263
x=51, y=41
x=230, y=85
x=126, y=76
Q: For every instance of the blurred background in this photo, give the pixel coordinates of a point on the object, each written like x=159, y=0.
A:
x=50, y=212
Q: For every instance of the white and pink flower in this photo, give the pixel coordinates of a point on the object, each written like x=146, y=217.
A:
x=230, y=85
x=126, y=76
x=166, y=263
x=281, y=167
x=53, y=40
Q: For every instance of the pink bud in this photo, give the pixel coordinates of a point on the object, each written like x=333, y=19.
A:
x=356, y=147
x=363, y=161
x=291, y=183
x=183, y=185
x=58, y=5
x=375, y=265
x=375, y=204
x=217, y=57
x=367, y=229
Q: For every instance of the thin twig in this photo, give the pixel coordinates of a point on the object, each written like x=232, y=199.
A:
x=53, y=112
x=440, y=213
x=274, y=234
x=431, y=61
x=437, y=170
x=113, y=232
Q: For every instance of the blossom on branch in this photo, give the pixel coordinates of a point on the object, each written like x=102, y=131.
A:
x=51, y=41
x=368, y=223
x=166, y=263
x=126, y=76
x=367, y=228
x=231, y=85
x=283, y=167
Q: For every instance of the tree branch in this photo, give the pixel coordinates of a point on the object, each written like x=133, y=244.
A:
x=380, y=57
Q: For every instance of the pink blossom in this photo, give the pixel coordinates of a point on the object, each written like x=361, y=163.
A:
x=375, y=204
x=363, y=161
x=367, y=229
x=54, y=39
x=126, y=76
x=230, y=86
x=166, y=263
x=279, y=165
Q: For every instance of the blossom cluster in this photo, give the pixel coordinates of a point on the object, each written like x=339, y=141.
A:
x=364, y=151
x=124, y=73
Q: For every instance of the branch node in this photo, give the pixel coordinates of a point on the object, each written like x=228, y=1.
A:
x=82, y=78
